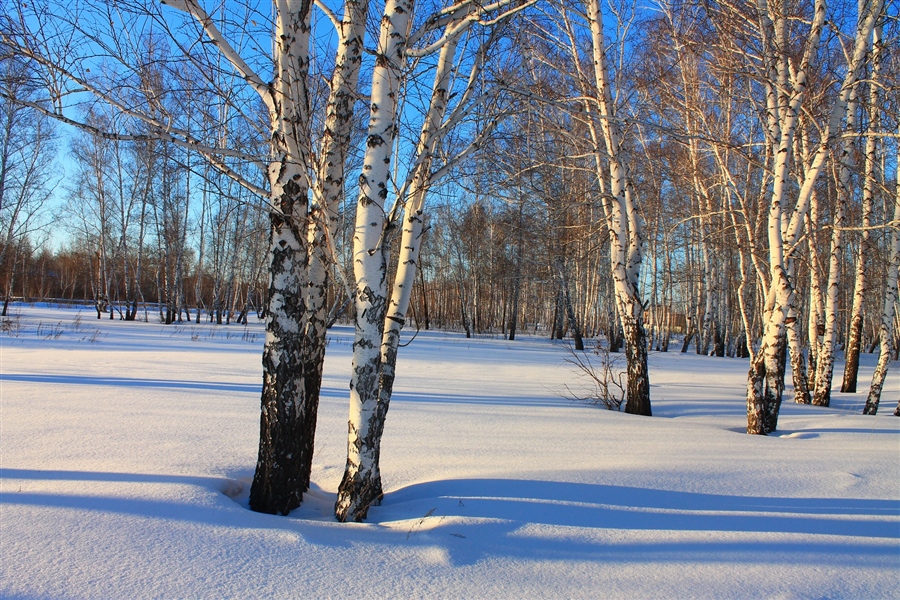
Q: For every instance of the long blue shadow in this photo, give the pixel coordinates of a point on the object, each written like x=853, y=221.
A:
x=220, y=386
x=217, y=386
x=492, y=511
x=619, y=507
x=36, y=475
x=214, y=386
x=498, y=400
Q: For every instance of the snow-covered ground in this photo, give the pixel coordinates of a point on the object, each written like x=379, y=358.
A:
x=127, y=449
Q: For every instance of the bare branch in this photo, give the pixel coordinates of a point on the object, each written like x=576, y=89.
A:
x=193, y=8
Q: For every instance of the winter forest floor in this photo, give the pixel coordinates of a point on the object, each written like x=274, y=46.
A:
x=126, y=451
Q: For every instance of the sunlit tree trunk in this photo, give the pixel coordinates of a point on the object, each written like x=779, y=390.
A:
x=301, y=249
x=825, y=354
x=360, y=487
x=816, y=322
x=785, y=90
x=625, y=227
x=379, y=317
x=287, y=421
x=889, y=308
x=795, y=346
x=860, y=287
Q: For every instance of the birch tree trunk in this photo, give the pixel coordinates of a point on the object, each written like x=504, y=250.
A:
x=889, y=307
x=380, y=319
x=360, y=487
x=798, y=360
x=826, y=351
x=292, y=354
x=816, y=323
x=625, y=227
x=413, y=225
x=287, y=421
x=328, y=192
x=860, y=287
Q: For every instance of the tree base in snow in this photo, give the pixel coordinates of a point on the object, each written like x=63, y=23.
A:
x=356, y=494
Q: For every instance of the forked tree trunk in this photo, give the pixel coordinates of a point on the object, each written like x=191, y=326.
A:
x=413, y=228
x=380, y=320
x=296, y=319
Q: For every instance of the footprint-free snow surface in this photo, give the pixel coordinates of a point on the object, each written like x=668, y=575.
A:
x=127, y=451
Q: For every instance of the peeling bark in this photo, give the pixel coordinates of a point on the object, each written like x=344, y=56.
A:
x=287, y=422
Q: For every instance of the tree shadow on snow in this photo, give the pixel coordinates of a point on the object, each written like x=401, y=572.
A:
x=216, y=386
x=494, y=400
x=496, y=514
x=470, y=520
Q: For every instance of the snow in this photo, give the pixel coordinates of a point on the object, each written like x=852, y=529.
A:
x=126, y=451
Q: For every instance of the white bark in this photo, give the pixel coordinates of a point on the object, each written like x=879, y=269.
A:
x=414, y=217
x=378, y=318
x=624, y=222
x=361, y=485
x=889, y=308
x=785, y=91
x=826, y=350
x=870, y=11
x=328, y=191
x=860, y=284
x=795, y=346
x=288, y=421
x=816, y=322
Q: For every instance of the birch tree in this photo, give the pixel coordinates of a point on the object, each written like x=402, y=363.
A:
x=860, y=282
x=785, y=87
x=888, y=311
x=624, y=221
x=379, y=317
x=825, y=353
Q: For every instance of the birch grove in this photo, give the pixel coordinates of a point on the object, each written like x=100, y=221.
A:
x=708, y=177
